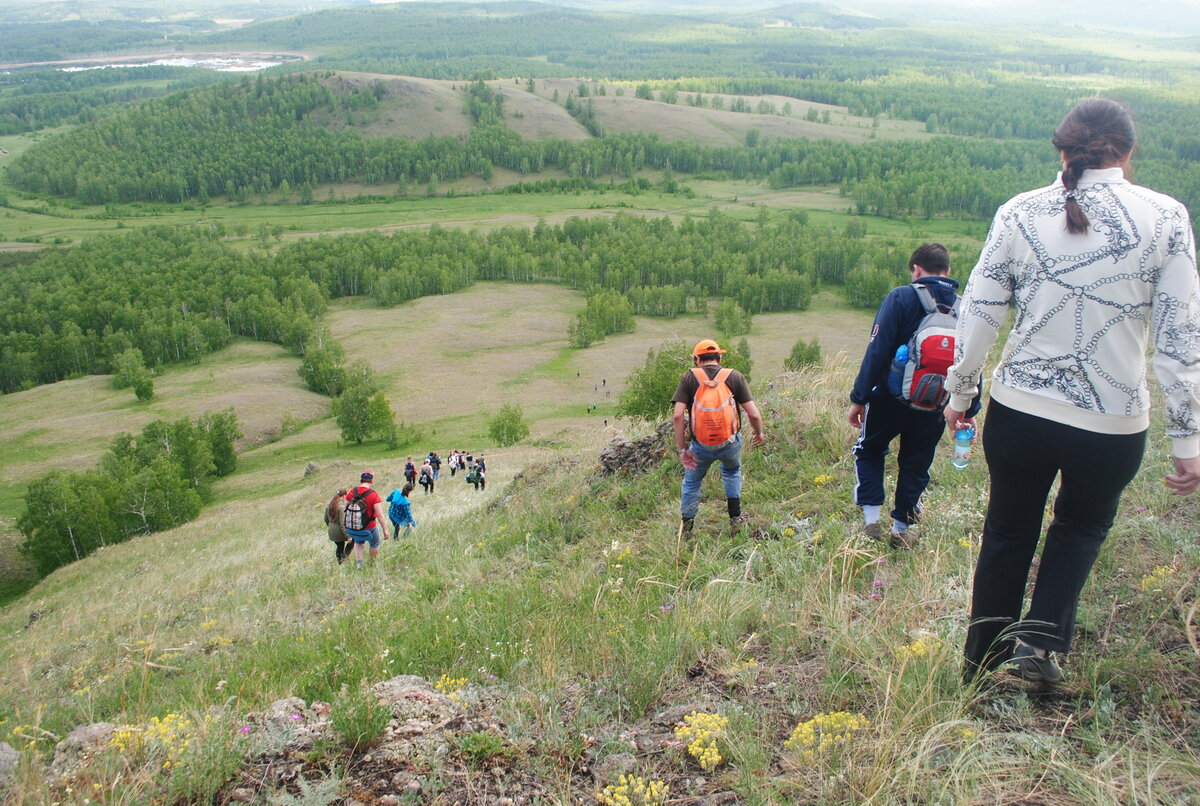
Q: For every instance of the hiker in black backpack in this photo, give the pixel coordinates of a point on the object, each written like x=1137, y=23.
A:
x=911, y=407
x=427, y=477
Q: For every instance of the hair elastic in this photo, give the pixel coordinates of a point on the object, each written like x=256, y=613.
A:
x=1071, y=195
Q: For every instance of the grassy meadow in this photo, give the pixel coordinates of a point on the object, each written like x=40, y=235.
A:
x=564, y=606
x=558, y=615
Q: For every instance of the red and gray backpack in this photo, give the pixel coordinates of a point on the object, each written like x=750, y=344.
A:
x=920, y=378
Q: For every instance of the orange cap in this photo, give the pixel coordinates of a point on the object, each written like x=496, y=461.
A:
x=707, y=347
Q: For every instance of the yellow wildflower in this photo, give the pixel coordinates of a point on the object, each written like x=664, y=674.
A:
x=825, y=732
x=450, y=686
x=702, y=731
x=1154, y=580
x=633, y=790
x=924, y=646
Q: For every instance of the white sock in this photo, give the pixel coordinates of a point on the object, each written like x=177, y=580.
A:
x=899, y=527
x=871, y=513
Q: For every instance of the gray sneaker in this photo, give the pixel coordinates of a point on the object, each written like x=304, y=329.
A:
x=1026, y=665
x=874, y=531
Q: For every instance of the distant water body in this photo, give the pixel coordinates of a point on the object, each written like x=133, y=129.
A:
x=223, y=64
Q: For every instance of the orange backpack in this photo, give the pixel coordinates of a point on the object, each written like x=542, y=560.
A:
x=714, y=411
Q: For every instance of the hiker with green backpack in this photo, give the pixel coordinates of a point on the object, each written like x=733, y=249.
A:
x=707, y=424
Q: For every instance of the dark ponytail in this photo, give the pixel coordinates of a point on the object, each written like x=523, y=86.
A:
x=1097, y=133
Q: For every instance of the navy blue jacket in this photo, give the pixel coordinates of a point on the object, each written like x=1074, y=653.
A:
x=895, y=323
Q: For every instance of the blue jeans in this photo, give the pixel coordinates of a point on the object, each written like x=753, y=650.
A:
x=730, y=457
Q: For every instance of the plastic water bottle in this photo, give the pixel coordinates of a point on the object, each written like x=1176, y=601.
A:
x=962, y=447
x=896, y=374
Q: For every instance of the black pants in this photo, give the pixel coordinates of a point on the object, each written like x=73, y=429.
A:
x=919, y=432
x=1024, y=455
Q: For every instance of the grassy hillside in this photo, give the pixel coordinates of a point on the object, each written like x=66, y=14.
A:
x=564, y=612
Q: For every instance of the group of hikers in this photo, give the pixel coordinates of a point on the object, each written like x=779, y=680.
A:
x=430, y=471
x=354, y=518
x=1094, y=267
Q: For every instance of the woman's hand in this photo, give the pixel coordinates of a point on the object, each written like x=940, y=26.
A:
x=1186, y=478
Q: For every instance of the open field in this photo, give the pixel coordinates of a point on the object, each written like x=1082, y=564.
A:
x=460, y=356
x=715, y=127
x=564, y=604
x=68, y=425
x=447, y=363
x=741, y=200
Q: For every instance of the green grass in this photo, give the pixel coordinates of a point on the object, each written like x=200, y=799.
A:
x=575, y=607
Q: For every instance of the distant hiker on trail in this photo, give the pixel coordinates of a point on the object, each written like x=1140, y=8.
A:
x=477, y=478
x=362, y=516
x=427, y=477
x=436, y=461
x=333, y=525
x=400, y=511
x=479, y=463
x=883, y=407
x=410, y=471
x=707, y=429
x=452, y=462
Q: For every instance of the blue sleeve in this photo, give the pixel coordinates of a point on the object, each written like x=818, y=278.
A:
x=886, y=336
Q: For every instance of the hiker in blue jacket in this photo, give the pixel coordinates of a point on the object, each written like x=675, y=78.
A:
x=400, y=511
x=881, y=417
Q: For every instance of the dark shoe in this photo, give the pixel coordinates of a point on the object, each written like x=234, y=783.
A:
x=902, y=540
x=1026, y=665
x=874, y=531
x=738, y=520
x=687, y=526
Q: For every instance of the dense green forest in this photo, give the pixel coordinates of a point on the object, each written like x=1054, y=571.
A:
x=145, y=483
x=256, y=135
x=176, y=294
x=33, y=100
x=42, y=42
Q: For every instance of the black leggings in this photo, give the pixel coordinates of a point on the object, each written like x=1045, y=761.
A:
x=1024, y=455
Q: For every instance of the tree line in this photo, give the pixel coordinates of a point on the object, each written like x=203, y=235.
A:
x=146, y=483
x=176, y=294
x=32, y=100
x=256, y=136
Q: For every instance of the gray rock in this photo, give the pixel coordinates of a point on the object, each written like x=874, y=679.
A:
x=675, y=715
x=71, y=752
x=9, y=758
x=284, y=713
x=610, y=768
x=632, y=456
x=310, y=468
x=652, y=742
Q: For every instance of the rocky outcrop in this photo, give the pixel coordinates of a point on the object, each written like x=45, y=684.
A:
x=635, y=456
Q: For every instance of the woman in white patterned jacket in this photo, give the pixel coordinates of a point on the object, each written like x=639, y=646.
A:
x=1093, y=265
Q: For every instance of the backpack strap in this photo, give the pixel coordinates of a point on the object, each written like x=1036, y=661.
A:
x=930, y=304
x=925, y=298
x=719, y=378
